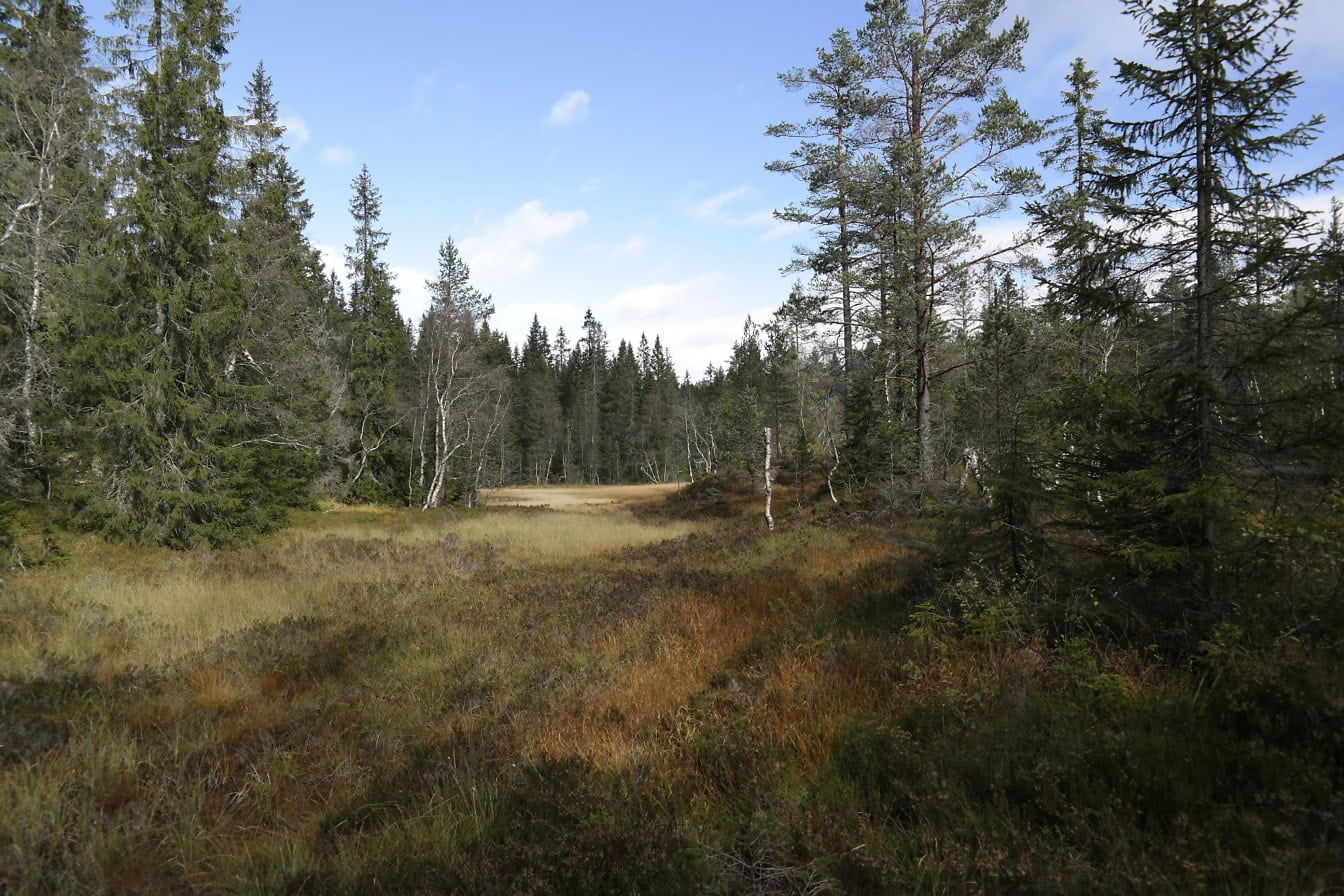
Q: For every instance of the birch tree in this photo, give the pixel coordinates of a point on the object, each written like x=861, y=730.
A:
x=50, y=147
x=465, y=399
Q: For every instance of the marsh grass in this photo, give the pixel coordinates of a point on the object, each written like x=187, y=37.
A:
x=593, y=700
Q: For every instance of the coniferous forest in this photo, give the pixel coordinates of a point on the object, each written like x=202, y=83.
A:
x=1078, y=498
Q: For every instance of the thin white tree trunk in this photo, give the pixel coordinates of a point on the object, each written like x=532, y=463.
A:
x=769, y=475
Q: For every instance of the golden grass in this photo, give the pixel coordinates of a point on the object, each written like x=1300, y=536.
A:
x=695, y=635
x=487, y=625
x=586, y=497
x=565, y=534
x=125, y=607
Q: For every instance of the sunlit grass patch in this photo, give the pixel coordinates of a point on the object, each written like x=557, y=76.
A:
x=593, y=498
x=561, y=534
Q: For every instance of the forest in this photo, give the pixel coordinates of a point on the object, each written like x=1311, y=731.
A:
x=1054, y=600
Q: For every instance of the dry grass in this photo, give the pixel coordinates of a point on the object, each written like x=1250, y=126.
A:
x=123, y=607
x=566, y=534
x=197, y=719
x=593, y=498
x=660, y=659
x=540, y=700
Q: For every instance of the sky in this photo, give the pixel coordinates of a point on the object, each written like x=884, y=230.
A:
x=612, y=155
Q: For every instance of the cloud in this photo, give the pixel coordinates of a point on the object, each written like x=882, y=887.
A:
x=296, y=129
x=698, y=319
x=594, y=184
x=635, y=245
x=421, y=90
x=412, y=293
x=713, y=207
x=772, y=228
x=337, y=156
x=570, y=109
x=333, y=259
x=656, y=298
x=509, y=248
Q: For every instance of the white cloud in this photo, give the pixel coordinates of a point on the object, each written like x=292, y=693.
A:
x=656, y=298
x=635, y=245
x=337, y=156
x=771, y=227
x=509, y=248
x=333, y=259
x=421, y=89
x=412, y=293
x=713, y=207
x=570, y=109
x=594, y=184
x=296, y=129
x=697, y=318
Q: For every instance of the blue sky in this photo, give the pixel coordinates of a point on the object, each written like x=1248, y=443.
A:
x=610, y=155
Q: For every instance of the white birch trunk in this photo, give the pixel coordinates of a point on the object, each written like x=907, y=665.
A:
x=769, y=475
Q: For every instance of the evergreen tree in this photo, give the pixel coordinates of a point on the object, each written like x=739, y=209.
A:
x=537, y=427
x=178, y=452
x=378, y=360
x=620, y=415
x=739, y=404
x=586, y=373
x=1192, y=200
x=951, y=131
x=51, y=122
x=826, y=162
x=462, y=387
x=284, y=362
x=660, y=460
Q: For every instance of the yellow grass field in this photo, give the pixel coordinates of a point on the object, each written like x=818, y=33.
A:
x=586, y=497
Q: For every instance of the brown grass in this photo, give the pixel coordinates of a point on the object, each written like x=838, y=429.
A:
x=624, y=720
x=239, y=699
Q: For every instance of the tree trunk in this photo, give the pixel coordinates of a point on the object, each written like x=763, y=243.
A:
x=769, y=476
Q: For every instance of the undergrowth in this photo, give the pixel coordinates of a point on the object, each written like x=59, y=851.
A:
x=389, y=702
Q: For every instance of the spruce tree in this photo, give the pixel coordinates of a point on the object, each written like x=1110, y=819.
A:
x=284, y=360
x=1193, y=200
x=177, y=457
x=51, y=133
x=537, y=428
x=378, y=357
x=463, y=387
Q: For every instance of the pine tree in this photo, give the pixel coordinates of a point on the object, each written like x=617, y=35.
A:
x=951, y=131
x=826, y=162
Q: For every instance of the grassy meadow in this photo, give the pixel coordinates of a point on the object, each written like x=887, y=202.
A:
x=604, y=693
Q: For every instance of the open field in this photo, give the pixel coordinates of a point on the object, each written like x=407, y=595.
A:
x=525, y=700
x=592, y=497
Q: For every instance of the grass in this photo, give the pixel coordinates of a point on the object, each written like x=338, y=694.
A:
x=589, y=699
